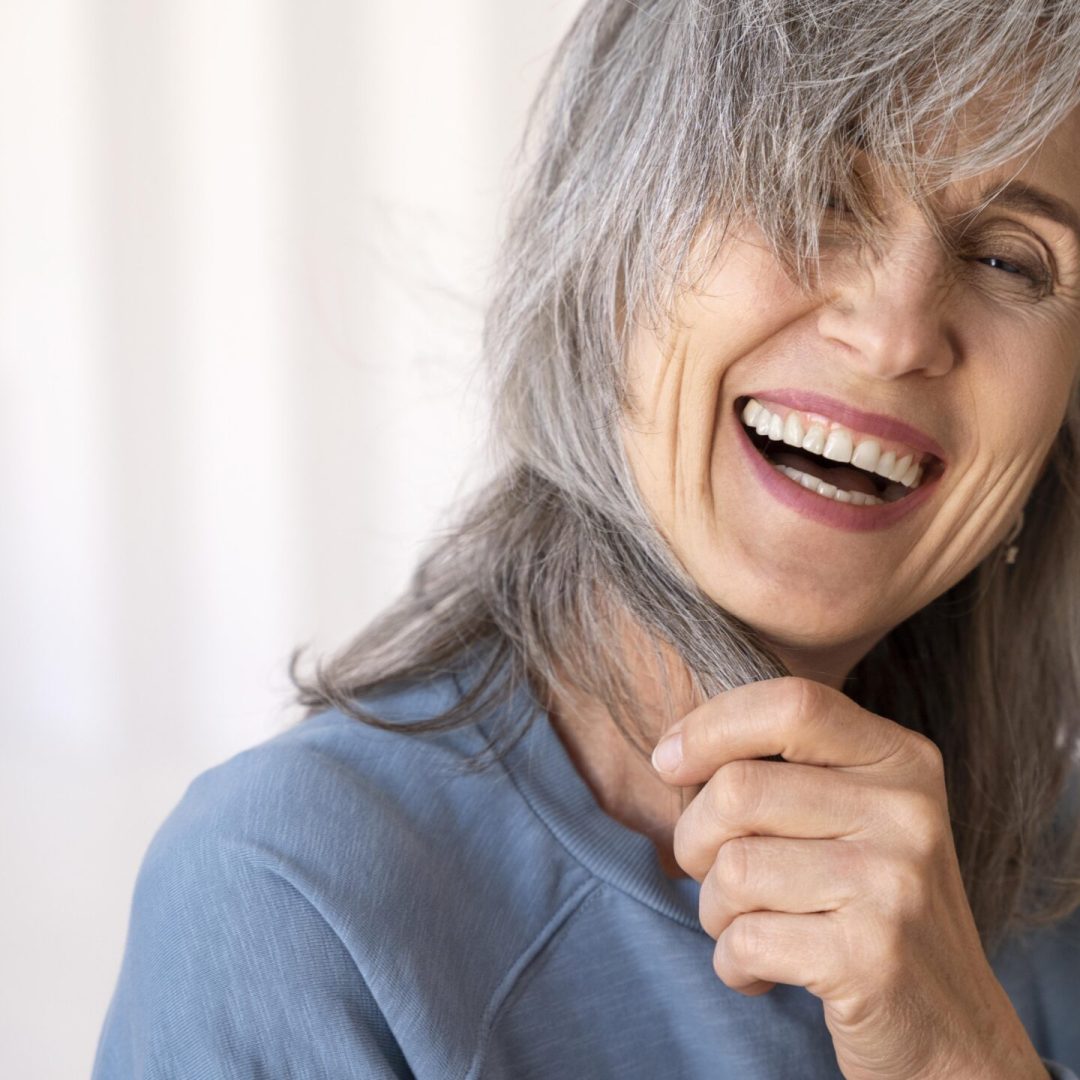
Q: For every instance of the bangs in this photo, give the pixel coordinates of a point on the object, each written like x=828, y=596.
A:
x=772, y=102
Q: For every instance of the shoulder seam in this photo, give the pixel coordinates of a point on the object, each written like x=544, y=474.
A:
x=394, y=1053
x=502, y=992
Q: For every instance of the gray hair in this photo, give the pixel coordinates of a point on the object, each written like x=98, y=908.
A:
x=657, y=117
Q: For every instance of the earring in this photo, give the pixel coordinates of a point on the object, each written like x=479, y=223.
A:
x=1012, y=549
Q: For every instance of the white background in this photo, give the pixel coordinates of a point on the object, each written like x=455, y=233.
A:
x=244, y=252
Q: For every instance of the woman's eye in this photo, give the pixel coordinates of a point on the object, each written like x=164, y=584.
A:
x=1003, y=264
x=1037, y=277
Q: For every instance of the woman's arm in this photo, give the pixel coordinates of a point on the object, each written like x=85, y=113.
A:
x=230, y=971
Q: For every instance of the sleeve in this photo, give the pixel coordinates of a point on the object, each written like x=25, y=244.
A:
x=231, y=973
x=1058, y=1072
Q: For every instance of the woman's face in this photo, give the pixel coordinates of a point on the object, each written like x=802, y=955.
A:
x=961, y=357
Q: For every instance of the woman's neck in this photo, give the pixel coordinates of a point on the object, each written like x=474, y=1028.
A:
x=621, y=777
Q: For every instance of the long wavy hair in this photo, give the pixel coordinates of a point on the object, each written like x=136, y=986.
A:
x=657, y=116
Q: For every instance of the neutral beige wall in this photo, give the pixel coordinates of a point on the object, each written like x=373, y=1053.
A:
x=243, y=256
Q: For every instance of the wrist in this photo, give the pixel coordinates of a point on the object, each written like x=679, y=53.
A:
x=1007, y=1053
x=997, y=1046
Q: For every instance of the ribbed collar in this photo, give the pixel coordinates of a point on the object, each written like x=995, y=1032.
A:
x=549, y=782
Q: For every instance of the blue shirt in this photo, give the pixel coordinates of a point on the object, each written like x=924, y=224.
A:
x=341, y=901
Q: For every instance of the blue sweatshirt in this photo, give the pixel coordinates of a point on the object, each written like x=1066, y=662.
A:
x=343, y=902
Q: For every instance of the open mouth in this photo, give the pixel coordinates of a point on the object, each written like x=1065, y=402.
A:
x=832, y=460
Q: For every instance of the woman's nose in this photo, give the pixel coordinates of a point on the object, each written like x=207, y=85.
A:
x=893, y=313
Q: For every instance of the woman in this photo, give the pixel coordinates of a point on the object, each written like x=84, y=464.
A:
x=785, y=359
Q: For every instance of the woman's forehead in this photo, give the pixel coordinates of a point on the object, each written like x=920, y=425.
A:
x=1056, y=160
x=1045, y=181
x=1049, y=171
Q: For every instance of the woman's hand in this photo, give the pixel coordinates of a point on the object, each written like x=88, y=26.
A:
x=835, y=870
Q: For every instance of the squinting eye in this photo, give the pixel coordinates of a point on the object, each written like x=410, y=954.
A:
x=1008, y=267
x=1039, y=277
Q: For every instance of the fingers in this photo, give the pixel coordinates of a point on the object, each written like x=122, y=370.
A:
x=763, y=947
x=769, y=798
x=768, y=873
x=799, y=719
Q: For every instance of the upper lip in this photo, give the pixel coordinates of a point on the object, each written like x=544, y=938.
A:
x=885, y=427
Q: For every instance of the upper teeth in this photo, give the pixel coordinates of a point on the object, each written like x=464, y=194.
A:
x=835, y=442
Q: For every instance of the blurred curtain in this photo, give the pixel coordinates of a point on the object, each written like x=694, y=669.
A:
x=244, y=252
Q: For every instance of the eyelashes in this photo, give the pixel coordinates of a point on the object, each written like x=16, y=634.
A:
x=1014, y=261
x=1017, y=267
x=1038, y=276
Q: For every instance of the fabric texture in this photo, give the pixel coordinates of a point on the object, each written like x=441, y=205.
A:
x=341, y=902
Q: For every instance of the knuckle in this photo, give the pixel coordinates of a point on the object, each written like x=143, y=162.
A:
x=903, y=890
x=928, y=753
x=850, y=866
x=690, y=845
x=721, y=960
x=925, y=822
x=714, y=908
x=709, y=906
x=743, y=938
x=739, y=790
x=732, y=867
x=916, y=818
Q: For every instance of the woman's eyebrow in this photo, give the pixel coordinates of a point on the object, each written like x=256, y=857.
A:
x=1029, y=199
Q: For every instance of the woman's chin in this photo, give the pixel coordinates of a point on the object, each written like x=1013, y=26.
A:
x=826, y=656
x=824, y=636
x=793, y=627
x=799, y=595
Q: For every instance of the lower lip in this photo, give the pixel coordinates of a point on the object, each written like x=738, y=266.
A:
x=829, y=511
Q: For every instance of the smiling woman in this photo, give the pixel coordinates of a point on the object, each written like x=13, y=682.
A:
x=940, y=378
x=785, y=355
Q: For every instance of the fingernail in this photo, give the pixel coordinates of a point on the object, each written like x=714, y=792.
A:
x=668, y=753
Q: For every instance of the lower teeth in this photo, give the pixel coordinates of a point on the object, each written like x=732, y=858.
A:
x=829, y=491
